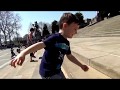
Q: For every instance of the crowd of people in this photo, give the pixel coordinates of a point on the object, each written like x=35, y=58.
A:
x=35, y=35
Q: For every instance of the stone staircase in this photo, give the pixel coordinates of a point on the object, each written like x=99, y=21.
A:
x=29, y=70
x=106, y=28
x=98, y=52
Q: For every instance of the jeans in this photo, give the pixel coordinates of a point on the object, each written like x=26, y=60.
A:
x=56, y=76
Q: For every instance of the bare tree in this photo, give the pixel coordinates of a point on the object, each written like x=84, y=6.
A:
x=9, y=24
x=16, y=25
x=3, y=23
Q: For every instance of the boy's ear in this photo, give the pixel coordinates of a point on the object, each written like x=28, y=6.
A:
x=65, y=25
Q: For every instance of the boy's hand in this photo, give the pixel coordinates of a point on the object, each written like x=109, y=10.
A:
x=84, y=67
x=19, y=59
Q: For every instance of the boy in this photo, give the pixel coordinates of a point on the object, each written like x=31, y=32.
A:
x=56, y=46
x=30, y=41
x=13, y=55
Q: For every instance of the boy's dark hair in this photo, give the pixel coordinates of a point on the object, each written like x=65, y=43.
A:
x=68, y=18
x=31, y=29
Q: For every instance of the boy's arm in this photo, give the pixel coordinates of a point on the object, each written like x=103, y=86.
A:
x=74, y=60
x=19, y=59
x=33, y=48
x=30, y=37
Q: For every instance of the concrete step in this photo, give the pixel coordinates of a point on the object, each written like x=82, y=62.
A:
x=29, y=70
x=106, y=27
x=75, y=72
x=101, y=54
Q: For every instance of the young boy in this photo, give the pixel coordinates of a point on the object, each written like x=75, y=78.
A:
x=13, y=55
x=30, y=41
x=56, y=46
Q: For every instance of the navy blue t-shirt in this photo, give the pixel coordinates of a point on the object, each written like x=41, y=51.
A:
x=56, y=47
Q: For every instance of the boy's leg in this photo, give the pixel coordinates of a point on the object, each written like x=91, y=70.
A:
x=56, y=76
x=31, y=54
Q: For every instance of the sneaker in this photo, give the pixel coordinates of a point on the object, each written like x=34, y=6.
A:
x=33, y=61
x=40, y=57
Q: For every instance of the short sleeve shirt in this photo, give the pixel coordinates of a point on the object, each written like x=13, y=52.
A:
x=56, y=47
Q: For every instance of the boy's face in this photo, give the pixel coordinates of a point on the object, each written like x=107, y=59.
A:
x=32, y=31
x=70, y=29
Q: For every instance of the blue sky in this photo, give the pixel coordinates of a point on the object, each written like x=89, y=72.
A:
x=28, y=17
